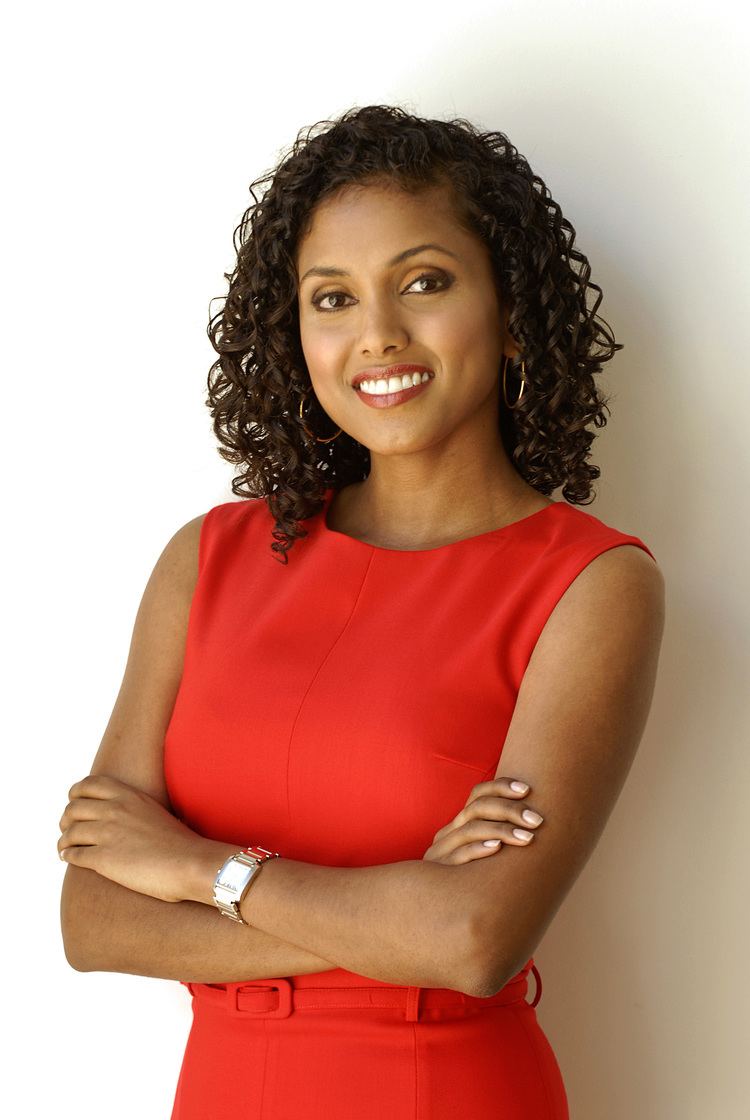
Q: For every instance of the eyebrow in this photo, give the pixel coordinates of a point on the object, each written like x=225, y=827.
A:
x=321, y=270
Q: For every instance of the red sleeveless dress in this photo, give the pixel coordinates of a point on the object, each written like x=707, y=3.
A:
x=274, y=741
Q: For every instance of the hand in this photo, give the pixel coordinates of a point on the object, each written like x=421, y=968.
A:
x=492, y=811
x=131, y=838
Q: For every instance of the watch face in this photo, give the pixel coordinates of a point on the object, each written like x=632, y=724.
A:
x=234, y=876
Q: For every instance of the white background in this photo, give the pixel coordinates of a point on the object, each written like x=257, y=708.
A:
x=132, y=132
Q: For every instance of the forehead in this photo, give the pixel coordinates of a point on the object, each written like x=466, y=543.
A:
x=377, y=219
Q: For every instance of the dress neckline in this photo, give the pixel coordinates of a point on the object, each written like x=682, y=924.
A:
x=488, y=534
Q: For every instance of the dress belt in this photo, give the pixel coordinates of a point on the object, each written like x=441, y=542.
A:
x=277, y=998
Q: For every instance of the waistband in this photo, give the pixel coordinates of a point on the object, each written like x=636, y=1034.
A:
x=278, y=998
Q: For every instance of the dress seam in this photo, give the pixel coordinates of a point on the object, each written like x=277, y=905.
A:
x=312, y=681
x=416, y=1071
x=265, y=1070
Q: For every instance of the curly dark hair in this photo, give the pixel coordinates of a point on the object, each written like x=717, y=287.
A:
x=256, y=384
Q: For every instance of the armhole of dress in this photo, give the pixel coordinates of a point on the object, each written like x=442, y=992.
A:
x=596, y=548
x=223, y=522
x=207, y=534
x=574, y=566
x=627, y=539
x=203, y=538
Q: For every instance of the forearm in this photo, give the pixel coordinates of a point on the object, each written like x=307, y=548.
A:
x=402, y=923
x=108, y=928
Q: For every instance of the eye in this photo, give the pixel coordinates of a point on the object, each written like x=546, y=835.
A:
x=426, y=276
x=443, y=282
x=318, y=301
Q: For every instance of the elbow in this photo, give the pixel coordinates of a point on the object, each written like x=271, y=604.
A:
x=487, y=967
x=476, y=971
x=494, y=971
x=75, y=921
x=73, y=946
x=72, y=956
x=490, y=985
x=465, y=958
x=487, y=977
x=481, y=980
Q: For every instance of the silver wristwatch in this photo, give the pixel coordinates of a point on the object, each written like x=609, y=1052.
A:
x=235, y=876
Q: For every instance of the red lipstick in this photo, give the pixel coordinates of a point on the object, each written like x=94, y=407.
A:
x=376, y=372
x=387, y=400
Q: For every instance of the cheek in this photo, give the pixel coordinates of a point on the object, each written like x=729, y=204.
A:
x=321, y=348
x=468, y=325
x=482, y=332
x=470, y=346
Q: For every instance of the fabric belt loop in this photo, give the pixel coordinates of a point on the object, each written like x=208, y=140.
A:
x=412, y=1004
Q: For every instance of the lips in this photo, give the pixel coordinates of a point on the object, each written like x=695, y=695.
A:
x=393, y=400
x=376, y=372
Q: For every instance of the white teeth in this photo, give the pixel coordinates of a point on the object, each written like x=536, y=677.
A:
x=392, y=384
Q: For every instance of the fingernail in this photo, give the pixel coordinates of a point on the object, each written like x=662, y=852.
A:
x=522, y=834
x=519, y=787
x=490, y=843
x=531, y=817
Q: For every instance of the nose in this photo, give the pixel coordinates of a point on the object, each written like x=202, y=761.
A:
x=381, y=328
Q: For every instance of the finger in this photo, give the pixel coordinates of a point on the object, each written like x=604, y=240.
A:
x=481, y=831
x=458, y=853
x=473, y=834
x=79, y=856
x=479, y=850
x=502, y=809
x=97, y=785
x=498, y=787
x=79, y=833
x=82, y=809
x=502, y=787
x=466, y=853
x=487, y=808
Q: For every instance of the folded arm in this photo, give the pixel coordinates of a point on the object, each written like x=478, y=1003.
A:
x=578, y=720
x=402, y=923
x=108, y=928
x=397, y=922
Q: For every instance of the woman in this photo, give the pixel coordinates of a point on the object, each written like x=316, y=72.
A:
x=324, y=673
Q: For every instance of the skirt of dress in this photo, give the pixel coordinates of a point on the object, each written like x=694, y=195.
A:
x=280, y=1050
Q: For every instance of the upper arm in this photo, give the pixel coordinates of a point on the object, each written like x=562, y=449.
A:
x=133, y=742
x=579, y=716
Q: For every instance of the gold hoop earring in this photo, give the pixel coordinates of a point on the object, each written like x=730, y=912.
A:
x=304, y=425
x=523, y=382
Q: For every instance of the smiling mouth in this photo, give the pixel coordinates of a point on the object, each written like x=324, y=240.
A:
x=394, y=391
x=383, y=386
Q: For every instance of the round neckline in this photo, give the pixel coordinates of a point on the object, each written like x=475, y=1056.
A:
x=327, y=531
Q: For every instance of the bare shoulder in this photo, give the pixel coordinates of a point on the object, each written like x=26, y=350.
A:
x=179, y=559
x=625, y=582
x=131, y=748
x=628, y=560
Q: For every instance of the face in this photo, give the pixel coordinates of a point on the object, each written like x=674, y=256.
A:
x=368, y=300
